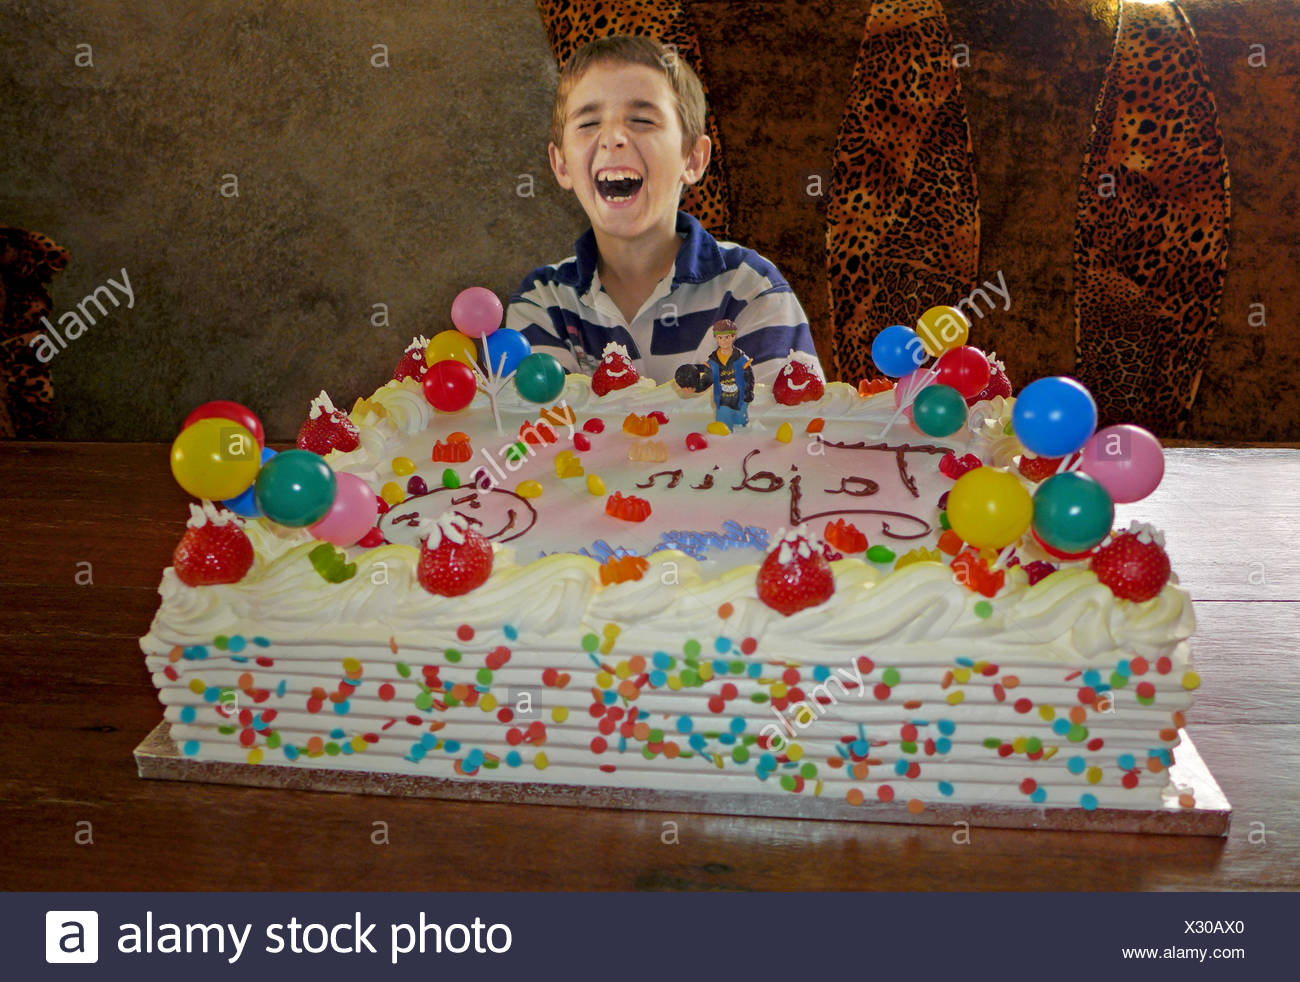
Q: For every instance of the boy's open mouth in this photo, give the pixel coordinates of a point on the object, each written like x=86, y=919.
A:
x=618, y=183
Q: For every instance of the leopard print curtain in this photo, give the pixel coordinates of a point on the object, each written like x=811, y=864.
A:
x=903, y=224
x=1151, y=236
x=27, y=262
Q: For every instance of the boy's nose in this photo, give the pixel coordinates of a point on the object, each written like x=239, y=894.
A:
x=613, y=135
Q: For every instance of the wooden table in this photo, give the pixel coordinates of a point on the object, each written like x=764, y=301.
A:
x=88, y=528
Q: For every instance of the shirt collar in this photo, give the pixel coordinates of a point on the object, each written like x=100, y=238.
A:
x=698, y=257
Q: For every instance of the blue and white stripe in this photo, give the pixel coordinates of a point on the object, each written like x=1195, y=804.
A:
x=563, y=309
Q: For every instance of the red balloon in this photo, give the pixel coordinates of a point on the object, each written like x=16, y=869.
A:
x=1057, y=553
x=233, y=411
x=966, y=369
x=449, y=385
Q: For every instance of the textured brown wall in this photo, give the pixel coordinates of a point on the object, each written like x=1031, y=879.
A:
x=361, y=185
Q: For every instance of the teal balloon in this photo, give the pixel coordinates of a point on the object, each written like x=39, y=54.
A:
x=539, y=377
x=295, y=488
x=1072, y=512
x=939, y=410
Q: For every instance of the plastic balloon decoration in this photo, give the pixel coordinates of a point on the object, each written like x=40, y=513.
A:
x=939, y=410
x=296, y=488
x=1072, y=512
x=1054, y=417
x=233, y=411
x=965, y=369
x=942, y=329
x=897, y=351
x=449, y=385
x=215, y=458
x=1126, y=460
x=476, y=312
x=246, y=504
x=352, y=513
x=539, y=377
x=450, y=345
x=989, y=507
x=507, y=345
x=900, y=353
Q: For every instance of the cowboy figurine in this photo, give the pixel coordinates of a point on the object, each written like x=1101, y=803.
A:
x=729, y=370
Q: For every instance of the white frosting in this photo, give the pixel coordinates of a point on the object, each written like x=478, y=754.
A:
x=321, y=406
x=207, y=513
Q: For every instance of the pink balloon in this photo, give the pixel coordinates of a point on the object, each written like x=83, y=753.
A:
x=476, y=312
x=351, y=516
x=910, y=384
x=1126, y=460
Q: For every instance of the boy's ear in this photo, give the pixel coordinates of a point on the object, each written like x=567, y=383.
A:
x=558, y=166
x=697, y=160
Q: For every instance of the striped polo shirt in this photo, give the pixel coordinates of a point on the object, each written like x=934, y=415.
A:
x=564, y=310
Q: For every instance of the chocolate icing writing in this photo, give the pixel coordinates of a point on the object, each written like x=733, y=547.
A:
x=865, y=486
x=748, y=482
x=706, y=483
x=674, y=478
x=797, y=517
x=519, y=517
x=900, y=451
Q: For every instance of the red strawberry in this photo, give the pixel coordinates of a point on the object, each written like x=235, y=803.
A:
x=795, y=573
x=998, y=383
x=454, y=559
x=796, y=382
x=1037, y=570
x=615, y=370
x=327, y=429
x=1039, y=469
x=412, y=364
x=1133, y=564
x=214, y=549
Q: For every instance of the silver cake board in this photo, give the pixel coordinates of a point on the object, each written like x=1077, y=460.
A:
x=158, y=757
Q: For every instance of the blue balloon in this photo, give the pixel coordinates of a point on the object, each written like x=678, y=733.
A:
x=1054, y=416
x=246, y=503
x=504, y=341
x=1072, y=512
x=897, y=351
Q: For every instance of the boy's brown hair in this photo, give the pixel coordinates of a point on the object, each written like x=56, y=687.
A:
x=627, y=49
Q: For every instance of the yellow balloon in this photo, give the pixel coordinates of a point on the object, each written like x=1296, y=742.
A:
x=215, y=459
x=451, y=344
x=989, y=507
x=942, y=328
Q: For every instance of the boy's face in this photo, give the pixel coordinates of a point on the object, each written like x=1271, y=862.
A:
x=725, y=342
x=622, y=153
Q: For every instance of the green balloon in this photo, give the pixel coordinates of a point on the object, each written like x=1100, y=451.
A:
x=939, y=410
x=1072, y=512
x=295, y=488
x=539, y=377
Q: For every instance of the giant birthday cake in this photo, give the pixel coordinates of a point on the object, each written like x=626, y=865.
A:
x=605, y=587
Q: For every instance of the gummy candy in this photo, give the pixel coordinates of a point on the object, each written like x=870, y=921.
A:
x=629, y=508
